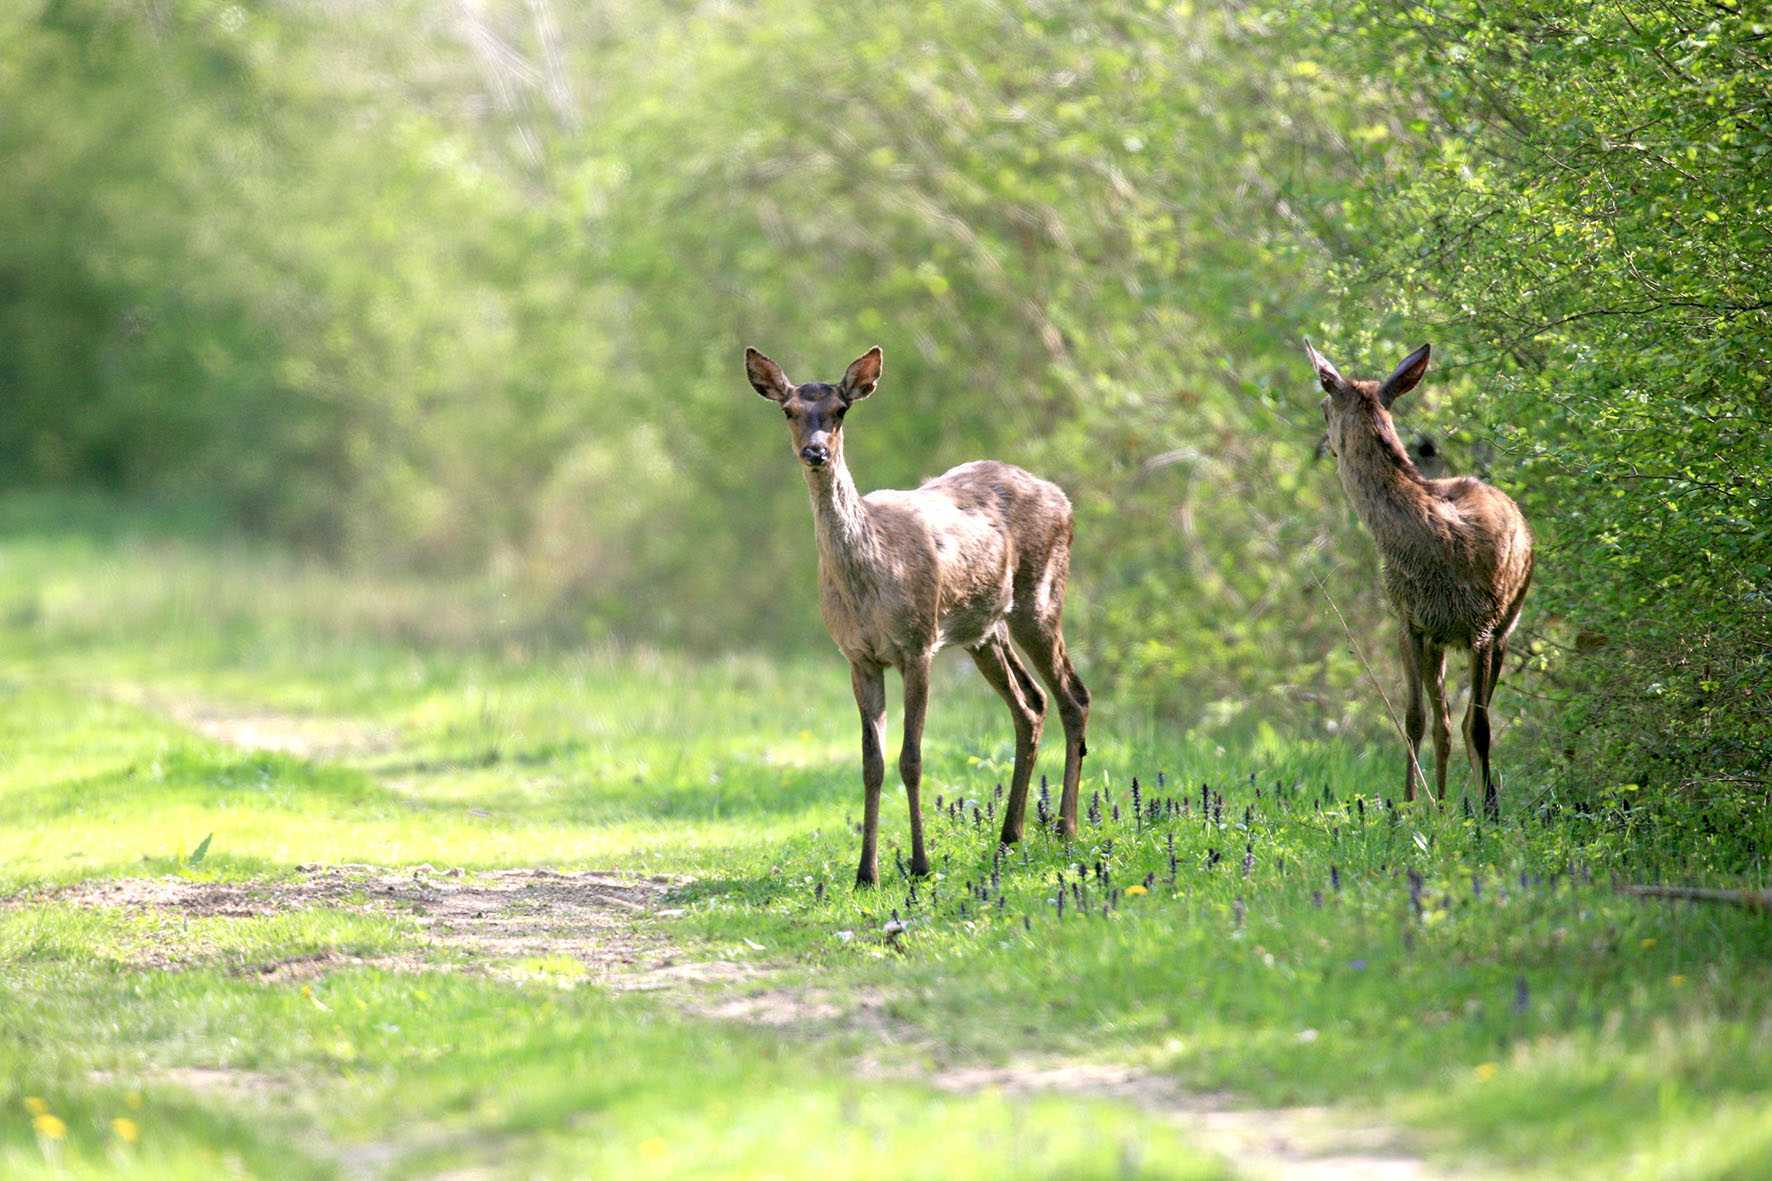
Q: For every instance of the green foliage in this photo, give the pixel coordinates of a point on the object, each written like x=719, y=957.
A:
x=1579, y=201
x=471, y=296
x=251, y=280
x=1050, y=221
x=358, y=319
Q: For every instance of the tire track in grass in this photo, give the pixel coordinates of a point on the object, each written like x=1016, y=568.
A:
x=257, y=728
x=1294, y=1143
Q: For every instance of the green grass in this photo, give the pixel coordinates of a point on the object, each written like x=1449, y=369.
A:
x=457, y=1070
x=1522, y=1015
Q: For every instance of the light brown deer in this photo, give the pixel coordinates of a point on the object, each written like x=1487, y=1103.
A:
x=973, y=558
x=1457, y=559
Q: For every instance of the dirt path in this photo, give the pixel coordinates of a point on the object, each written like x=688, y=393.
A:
x=304, y=736
x=534, y=924
x=1295, y=1143
x=538, y=923
x=517, y=922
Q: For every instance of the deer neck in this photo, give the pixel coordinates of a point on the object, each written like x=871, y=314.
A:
x=848, y=545
x=1387, y=490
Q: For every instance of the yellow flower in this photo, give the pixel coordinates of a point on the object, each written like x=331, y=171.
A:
x=1646, y=944
x=1136, y=890
x=1676, y=980
x=49, y=1127
x=35, y=1105
x=1486, y=1071
x=126, y=1129
x=654, y=1148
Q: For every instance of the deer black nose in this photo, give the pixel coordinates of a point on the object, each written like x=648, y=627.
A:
x=815, y=454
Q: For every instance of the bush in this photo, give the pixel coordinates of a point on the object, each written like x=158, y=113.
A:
x=1578, y=200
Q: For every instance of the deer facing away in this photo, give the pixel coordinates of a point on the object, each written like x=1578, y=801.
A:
x=975, y=558
x=1457, y=559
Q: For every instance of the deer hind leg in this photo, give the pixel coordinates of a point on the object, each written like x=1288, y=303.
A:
x=1493, y=662
x=1027, y=706
x=1433, y=680
x=1042, y=639
x=1414, y=720
x=910, y=756
x=869, y=682
x=1497, y=659
x=1490, y=670
x=1485, y=670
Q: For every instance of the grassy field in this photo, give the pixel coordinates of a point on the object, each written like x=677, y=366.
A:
x=1259, y=919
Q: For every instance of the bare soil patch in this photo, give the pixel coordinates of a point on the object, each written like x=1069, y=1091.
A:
x=303, y=736
x=1305, y=1143
x=494, y=921
x=223, y=1081
x=1297, y=1143
x=813, y=1011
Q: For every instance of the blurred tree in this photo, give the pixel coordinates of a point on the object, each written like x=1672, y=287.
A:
x=465, y=287
x=232, y=268
x=1052, y=222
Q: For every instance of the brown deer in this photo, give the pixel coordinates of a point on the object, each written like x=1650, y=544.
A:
x=972, y=558
x=1457, y=559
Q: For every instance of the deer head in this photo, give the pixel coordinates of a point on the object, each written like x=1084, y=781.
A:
x=1346, y=401
x=815, y=410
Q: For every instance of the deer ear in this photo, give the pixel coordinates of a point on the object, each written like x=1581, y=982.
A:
x=1327, y=375
x=766, y=376
x=863, y=375
x=1405, y=377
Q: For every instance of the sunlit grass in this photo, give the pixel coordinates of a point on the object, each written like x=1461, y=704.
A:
x=121, y=937
x=1509, y=1004
x=564, y=1083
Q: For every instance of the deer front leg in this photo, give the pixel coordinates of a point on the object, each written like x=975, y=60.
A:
x=910, y=757
x=1414, y=720
x=869, y=682
x=1433, y=679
